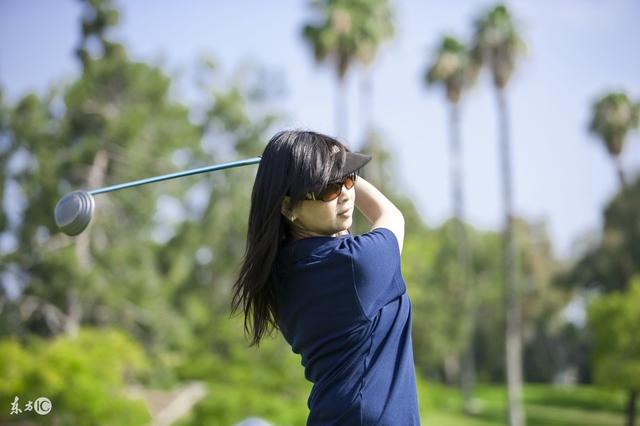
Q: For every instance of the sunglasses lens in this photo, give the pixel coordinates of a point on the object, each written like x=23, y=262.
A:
x=331, y=192
x=348, y=181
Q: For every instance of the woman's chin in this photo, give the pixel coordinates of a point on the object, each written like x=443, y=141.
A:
x=347, y=222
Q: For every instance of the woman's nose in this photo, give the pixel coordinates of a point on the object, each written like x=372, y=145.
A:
x=345, y=194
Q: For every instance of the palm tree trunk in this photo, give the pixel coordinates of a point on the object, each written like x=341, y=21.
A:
x=620, y=170
x=631, y=408
x=513, y=334
x=341, y=109
x=456, y=168
x=467, y=377
x=366, y=103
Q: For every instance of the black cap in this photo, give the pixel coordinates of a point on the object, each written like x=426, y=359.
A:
x=353, y=161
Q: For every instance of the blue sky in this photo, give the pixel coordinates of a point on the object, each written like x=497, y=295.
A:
x=578, y=50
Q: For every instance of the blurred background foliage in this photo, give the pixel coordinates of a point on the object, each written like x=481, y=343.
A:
x=142, y=296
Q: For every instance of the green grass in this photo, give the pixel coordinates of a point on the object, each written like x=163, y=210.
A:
x=544, y=405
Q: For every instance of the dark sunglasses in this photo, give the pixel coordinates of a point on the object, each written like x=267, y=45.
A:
x=333, y=189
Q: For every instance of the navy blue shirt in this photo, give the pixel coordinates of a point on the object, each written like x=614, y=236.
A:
x=344, y=308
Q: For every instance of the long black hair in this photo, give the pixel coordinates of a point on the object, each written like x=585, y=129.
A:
x=293, y=163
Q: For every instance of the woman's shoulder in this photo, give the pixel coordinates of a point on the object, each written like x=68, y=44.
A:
x=376, y=238
x=378, y=241
x=309, y=247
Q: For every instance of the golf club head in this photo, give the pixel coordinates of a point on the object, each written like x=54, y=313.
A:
x=74, y=212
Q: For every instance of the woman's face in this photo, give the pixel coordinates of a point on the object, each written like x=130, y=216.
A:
x=322, y=218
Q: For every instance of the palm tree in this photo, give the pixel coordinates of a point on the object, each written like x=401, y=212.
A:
x=453, y=69
x=614, y=115
x=497, y=45
x=346, y=31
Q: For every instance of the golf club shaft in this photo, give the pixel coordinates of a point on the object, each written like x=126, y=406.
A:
x=229, y=165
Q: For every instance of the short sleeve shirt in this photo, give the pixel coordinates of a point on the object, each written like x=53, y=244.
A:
x=343, y=306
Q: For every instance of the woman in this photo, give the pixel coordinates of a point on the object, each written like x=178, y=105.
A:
x=339, y=299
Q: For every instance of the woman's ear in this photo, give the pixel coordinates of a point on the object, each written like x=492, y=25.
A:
x=285, y=207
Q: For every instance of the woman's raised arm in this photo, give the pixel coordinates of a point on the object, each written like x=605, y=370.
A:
x=379, y=211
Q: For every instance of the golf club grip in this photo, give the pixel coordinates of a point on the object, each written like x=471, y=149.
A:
x=206, y=169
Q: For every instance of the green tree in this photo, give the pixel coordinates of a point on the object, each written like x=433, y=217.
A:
x=344, y=32
x=544, y=325
x=609, y=263
x=117, y=123
x=452, y=69
x=613, y=320
x=130, y=268
x=497, y=45
x=84, y=377
x=613, y=116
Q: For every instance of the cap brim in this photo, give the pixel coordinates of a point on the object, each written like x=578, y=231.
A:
x=354, y=161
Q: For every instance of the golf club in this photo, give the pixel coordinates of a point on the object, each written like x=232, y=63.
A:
x=75, y=210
